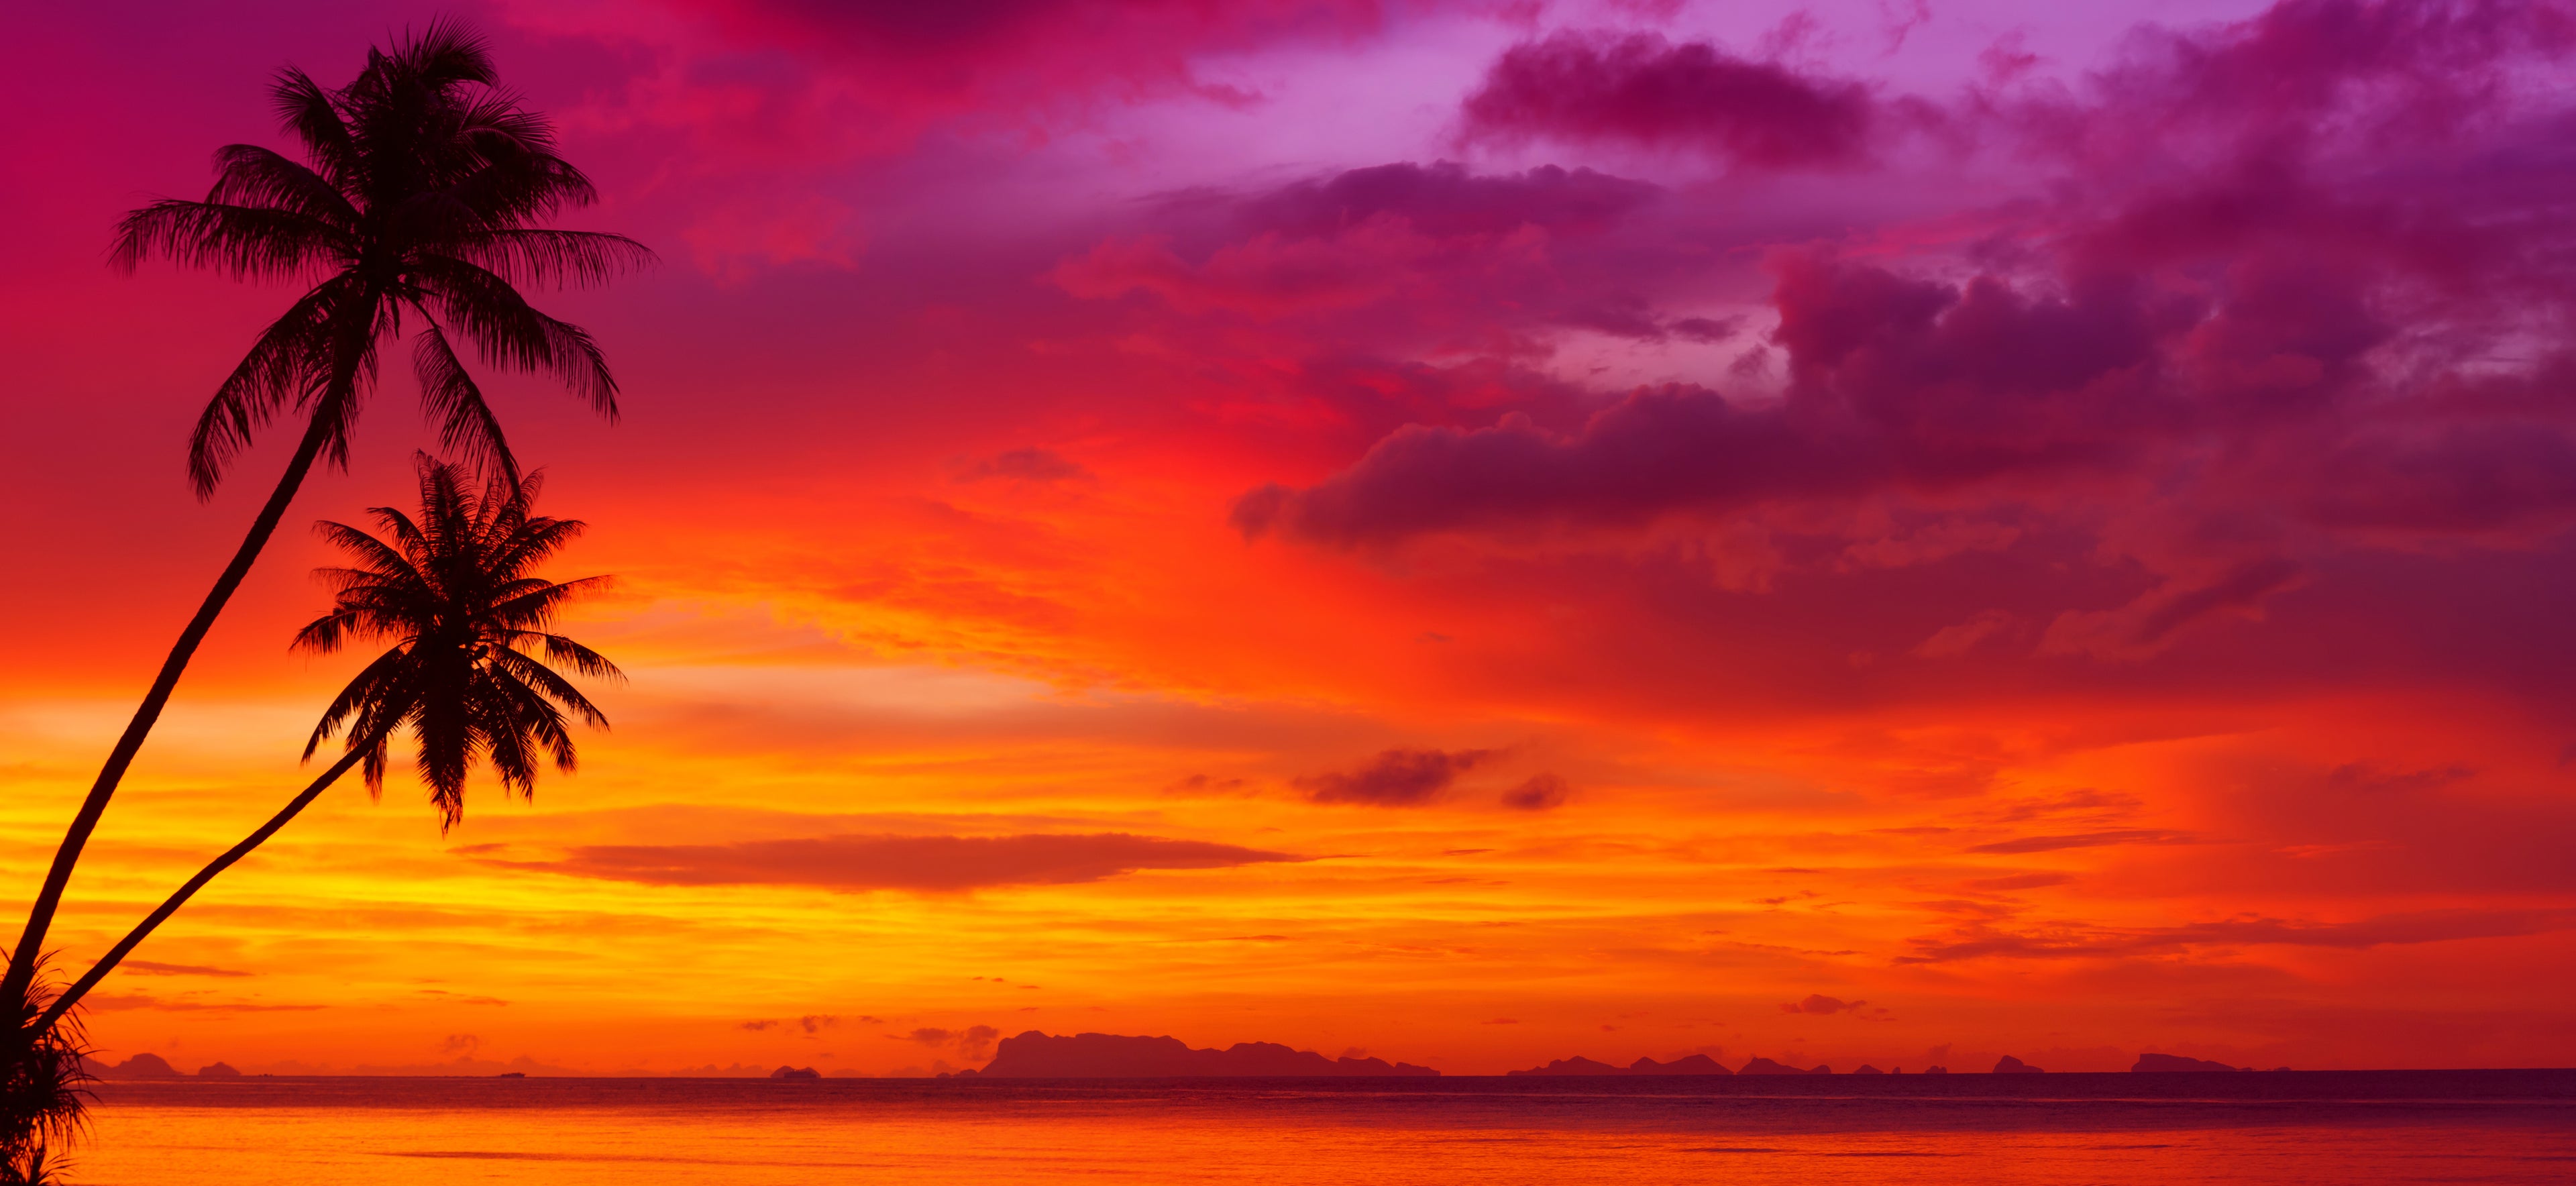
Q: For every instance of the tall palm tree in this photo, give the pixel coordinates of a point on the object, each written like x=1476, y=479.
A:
x=452, y=591
x=419, y=205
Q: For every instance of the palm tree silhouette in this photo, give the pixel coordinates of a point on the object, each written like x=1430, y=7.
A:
x=452, y=591
x=422, y=196
x=43, y=1093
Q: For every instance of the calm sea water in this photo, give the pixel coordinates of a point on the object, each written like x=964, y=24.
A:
x=2309, y=1128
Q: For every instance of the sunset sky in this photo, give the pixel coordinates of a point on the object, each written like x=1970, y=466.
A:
x=1886, y=531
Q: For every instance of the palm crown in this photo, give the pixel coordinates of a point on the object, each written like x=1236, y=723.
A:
x=451, y=591
x=422, y=192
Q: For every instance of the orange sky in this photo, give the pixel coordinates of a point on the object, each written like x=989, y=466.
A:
x=1112, y=535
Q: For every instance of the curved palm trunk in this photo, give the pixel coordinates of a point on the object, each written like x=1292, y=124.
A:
x=40, y=916
x=143, y=930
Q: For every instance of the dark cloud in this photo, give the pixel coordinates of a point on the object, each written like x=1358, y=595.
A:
x=2385, y=73
x=1201, y=784
x=1969, y=381
x=2086, y=840
x=1420, y=244
x=153, y=968
x=2073, y=940
x=2465, y=479
x=974, y=1041
x=1024, y=465
x=2020, y=881
x=980, y=27
x=931, y=863
x=2243, y=586
x=1641, y=89
x=1655, y=451
x=2363, y=777
x=1820, y=1003
x=1543, y=792
x=1395, y=778
x=2297, y=267
x=1443, y=199
x=1374, y=264
x=1706, y=329
x=109, y=1002
x=444, y=997
x=1896, y=383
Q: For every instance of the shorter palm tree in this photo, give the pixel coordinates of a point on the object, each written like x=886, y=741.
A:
x=452, y=592
x=44, y=1096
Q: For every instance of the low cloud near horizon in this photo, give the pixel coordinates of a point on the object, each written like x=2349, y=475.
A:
x=921, y=863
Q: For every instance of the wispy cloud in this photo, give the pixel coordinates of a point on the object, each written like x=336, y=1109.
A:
x=930, y=863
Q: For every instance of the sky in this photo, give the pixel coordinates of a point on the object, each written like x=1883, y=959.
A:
x=1476, y=533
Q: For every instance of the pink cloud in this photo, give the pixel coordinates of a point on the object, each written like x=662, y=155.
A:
x=1642, y=89
x=2312, y=313
x=1445, y=199
x=1267, y=276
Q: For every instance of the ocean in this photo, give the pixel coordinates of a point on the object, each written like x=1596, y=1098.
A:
x=2311, y=1128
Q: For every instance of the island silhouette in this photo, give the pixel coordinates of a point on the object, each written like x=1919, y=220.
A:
x=141, y=1066
x=2176, y=1062
x=1038, y=1055
x=1689, y=1064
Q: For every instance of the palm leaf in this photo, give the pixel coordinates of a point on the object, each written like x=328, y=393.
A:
x=449, y=394
x=249, y=242
x=511, y=333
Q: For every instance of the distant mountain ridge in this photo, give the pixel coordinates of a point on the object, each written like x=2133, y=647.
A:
x=2176, y=1062
x=1037, y=1055
x=1701, y=1064
x=141, y=1066
x=1689, y=1064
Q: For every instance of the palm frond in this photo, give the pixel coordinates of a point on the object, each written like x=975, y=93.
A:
x=313, y=115
x=523, y=612
x=286, y=364
x=532, y=541
x=536, y=677
x=586, y=661
x=409, y=540
x=561, y=259
x=446, y=53
x=332, y=405
x=448, y=393
x=248, y=242
x=512, y=334
x=378, y=688
x=384, y=561
x=249, y=175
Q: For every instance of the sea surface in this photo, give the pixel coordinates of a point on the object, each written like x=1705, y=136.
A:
x=2311, y=1128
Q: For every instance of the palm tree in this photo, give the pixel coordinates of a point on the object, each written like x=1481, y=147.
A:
x=452, y=591
x=422, y=195
x=44, y=1097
